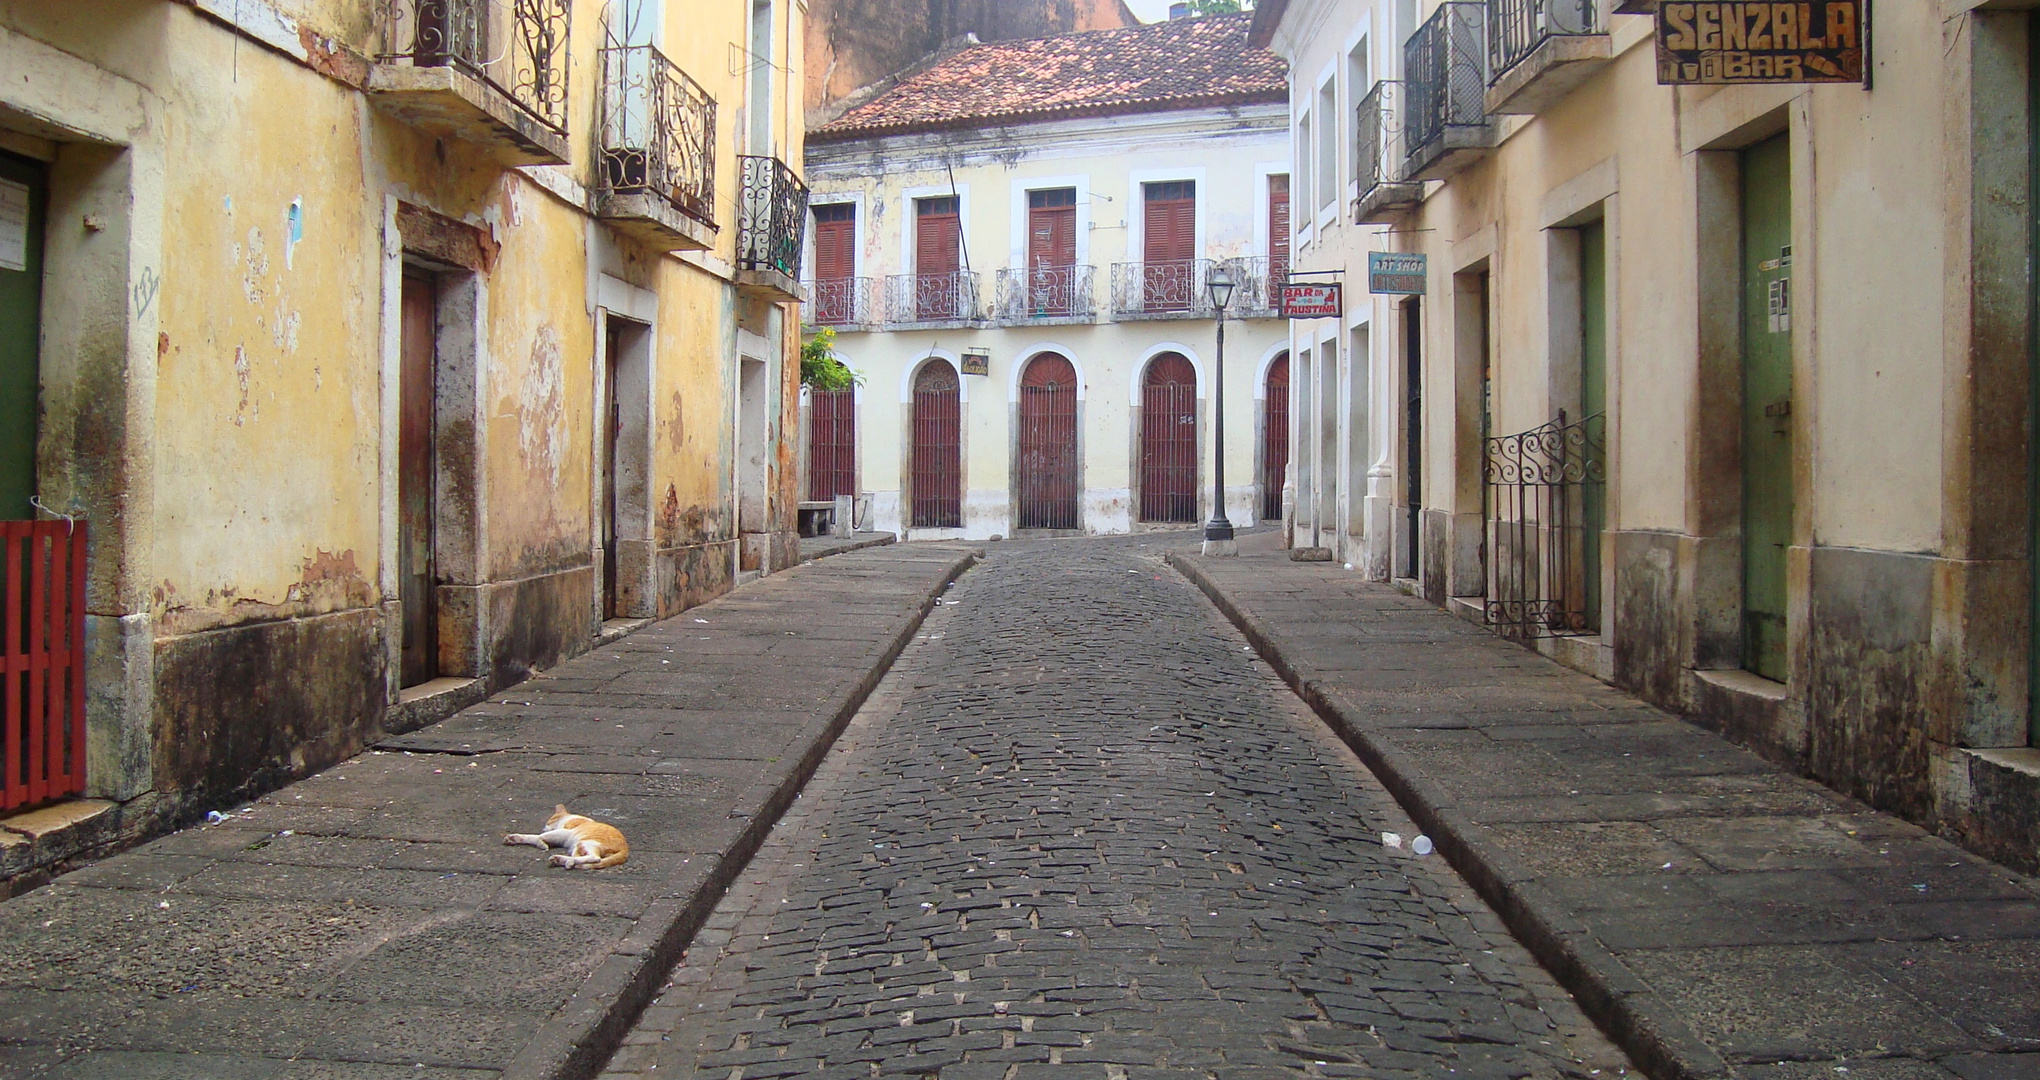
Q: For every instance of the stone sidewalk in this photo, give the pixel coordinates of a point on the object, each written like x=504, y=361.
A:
x=368, y=922
x=1715, y=915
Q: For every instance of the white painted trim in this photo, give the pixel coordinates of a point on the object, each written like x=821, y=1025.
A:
x=1261, y=369
x=1016, y=252
x=1140, y=368
x=259, y=21
x=1027, y=354
x=910, y=220
x=627, y=300
x=1136, y=197
x=914, y=367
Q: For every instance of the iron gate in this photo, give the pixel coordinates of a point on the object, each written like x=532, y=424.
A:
x=1537, y=482
x=42, y=706
x=1048, y=445
x=1168, y=441
x=832, y=443
x=1275, y=440
x=938, y=449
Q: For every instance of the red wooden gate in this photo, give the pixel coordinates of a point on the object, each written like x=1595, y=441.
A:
x=938, y=449
x=1275, y=439
x=832, y=444
x=1048, y=444
x=1168, y=440
x=43, y=757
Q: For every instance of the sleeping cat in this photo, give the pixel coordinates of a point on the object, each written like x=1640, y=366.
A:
x=588, y=842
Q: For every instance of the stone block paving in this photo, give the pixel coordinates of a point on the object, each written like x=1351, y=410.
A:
x=368, y=923
x=1081, y=831
x=1723, y=917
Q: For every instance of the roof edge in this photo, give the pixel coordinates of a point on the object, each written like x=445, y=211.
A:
x=1267, y=16
x=1036, y=116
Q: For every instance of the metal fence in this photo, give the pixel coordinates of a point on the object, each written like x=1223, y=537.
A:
x=658, y=131
x=1517, y=27
x=839, y=302
x=1161, y=288
x=1445, y=75
x=938, y=452
x=1045, y=292
x=1538, y=528
x=950, y=297
x=832, y=444
x=1047, y=466
x=772, y=216
x=518, y=47
x=1168, y=451
x=42, y=705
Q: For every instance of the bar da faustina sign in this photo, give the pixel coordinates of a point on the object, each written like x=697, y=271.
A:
x=1758, y=42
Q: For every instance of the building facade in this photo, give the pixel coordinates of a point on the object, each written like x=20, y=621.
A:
x=388, y=351
x=1022, y=286
x=1720, y=392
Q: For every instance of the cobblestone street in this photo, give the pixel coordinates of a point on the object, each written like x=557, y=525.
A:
x=1081, y=830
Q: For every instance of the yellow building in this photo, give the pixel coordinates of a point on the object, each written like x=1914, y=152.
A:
x=388, y=349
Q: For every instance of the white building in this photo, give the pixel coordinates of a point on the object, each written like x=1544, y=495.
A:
x=1014, y=246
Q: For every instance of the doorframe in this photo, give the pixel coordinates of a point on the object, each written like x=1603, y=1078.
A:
x=1136, y=384
x=1019, y=369
x=636, y=564
x=909, y=374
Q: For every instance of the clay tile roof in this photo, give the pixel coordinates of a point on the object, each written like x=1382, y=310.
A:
x=1179, y=64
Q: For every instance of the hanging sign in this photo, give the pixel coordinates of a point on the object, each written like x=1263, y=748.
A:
x=1311, y=300
x=1397, y=273
x=1751, y=41
x=977, y=362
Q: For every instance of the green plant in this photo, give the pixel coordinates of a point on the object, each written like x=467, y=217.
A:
x=819, y=367
x=1220, y=7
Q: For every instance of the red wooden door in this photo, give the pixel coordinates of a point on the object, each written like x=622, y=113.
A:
x=415, y=481
x=835, y=263
x=1168, y=440
x=1051, y=251
x=1275, y=439
x=42, y=661
x=938, y=255
x=938, y=450
x=1278, y=236
x=1048, y=444
x=1169, y=226
x=832, y=444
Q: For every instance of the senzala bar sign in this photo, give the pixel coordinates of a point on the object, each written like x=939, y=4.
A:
x=1757, y=42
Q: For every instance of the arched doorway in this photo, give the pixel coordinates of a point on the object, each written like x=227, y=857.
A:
x=938, y=449
x=1168, y=440
x=1047, y=468
x=1275, y=439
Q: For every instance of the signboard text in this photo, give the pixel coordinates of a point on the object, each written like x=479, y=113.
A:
x=1751, y=41
x=1396, y=273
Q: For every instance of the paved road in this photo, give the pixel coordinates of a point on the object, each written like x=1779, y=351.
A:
x=1081, y=831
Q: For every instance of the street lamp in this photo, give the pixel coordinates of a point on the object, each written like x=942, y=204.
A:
x=1218, y=532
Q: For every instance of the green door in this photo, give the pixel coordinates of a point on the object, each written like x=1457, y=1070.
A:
x=24, y=198
x=1767, y=401
x=1593, y=406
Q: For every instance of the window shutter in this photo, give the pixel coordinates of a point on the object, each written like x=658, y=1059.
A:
x=936, y=247
x=1278, y=228
x=1052, y=236
x=1171, y=222
x=835, y=243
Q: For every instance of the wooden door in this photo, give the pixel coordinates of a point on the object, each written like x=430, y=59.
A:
x=835, y=263
x=1278, y=236
x=1275, y=439
x=1767, y=493
x=415, y=481
x=1047, y=467
x=1051, y=251
x=1168, y=440
x=1169, y=239
x=938, y=255
x=1413, y=434
x=24, y=200
x=938, y=448
x=832, y=442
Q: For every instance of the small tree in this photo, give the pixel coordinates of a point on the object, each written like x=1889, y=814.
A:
x=819, y=367
x=1220, y=7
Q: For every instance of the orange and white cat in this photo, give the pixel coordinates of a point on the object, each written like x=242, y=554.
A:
x=587, y=842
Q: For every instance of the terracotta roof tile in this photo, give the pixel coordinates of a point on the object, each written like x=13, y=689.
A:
x=1183, y=63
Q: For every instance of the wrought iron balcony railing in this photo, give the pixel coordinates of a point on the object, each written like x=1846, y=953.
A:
x=1517, y=27
x=951, y=297
x=658, y=131
x=517, y=47
x=1046, y=292
x=1379, y=157
x=1147, y=290
x=1257, y=281
x=1445, y=82
x=839, y=302
x=1543, y=524
x=772, y=217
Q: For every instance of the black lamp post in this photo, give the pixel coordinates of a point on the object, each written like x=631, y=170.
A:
x=1218, y=532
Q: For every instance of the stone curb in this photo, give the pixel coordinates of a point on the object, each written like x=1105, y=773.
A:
x=1654, y=1035
x=881, y=540
x=580, y=1037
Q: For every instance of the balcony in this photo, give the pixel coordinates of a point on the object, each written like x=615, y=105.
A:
x=657, y=180
x=1541, y=50
x=1161, y=290
x=932, y=301
x=485, y=72
x=844, y=303
x=1258, y=292
x=1384, y=194
x=1445, y=86
x=1046, y=295
x=772, y=220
